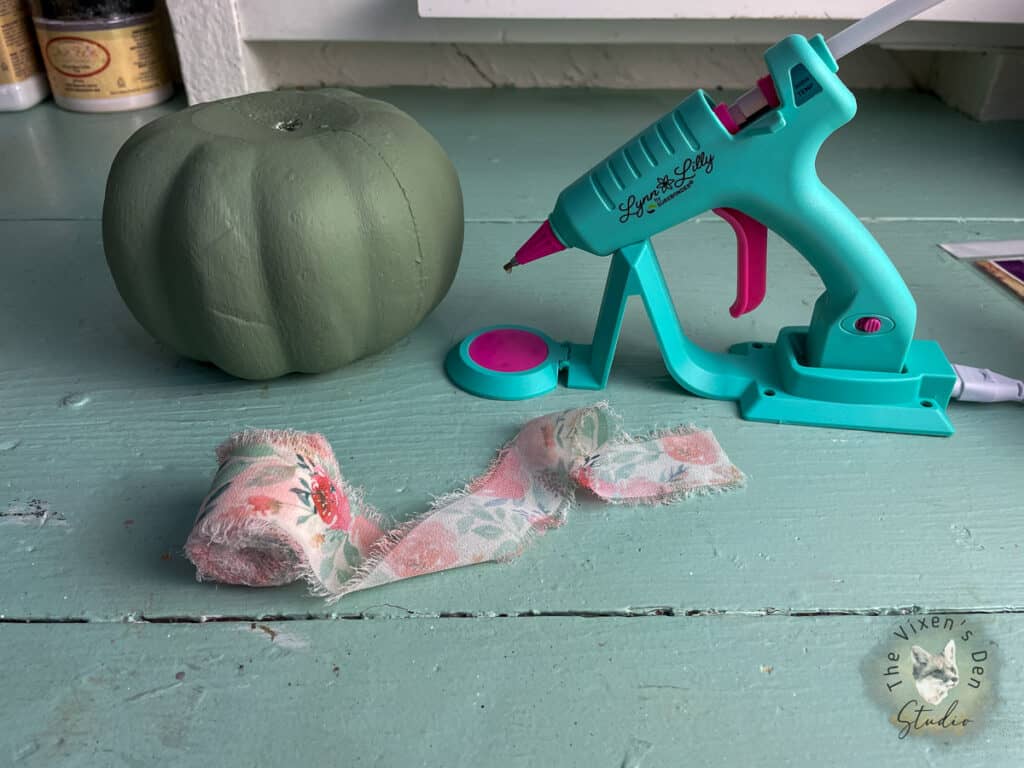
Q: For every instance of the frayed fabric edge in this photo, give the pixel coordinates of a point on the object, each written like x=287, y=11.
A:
x=320, y=448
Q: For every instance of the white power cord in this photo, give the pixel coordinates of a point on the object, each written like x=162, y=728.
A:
x=980, y=385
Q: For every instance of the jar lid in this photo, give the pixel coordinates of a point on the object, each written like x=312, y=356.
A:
x=90, y=10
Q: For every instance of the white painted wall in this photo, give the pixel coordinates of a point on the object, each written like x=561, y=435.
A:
x=400, y=21
x=215, y=59
x=235, y=46
x=1010, y=11
x=470, y=65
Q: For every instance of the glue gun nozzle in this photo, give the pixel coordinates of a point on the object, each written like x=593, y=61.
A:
x=542, y=243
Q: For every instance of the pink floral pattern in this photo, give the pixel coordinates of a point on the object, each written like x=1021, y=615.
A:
x=279, y=509
x=506, y=479
x=330, y=504
x=692, y=448
x=429, y=547
x=364, y=533
x=262, y=505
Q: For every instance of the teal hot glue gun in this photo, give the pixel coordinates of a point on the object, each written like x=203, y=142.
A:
x=855, y=365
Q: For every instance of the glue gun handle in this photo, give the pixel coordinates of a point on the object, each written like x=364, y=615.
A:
x=860, y=280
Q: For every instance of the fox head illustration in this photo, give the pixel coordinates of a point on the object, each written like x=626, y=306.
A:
x=935, y=675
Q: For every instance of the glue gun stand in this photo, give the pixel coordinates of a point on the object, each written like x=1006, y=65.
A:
x=856, y=365
x=768, y=380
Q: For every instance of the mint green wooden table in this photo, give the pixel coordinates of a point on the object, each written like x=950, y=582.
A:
x=723, y=631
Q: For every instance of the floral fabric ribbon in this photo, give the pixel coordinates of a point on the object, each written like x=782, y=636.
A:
x=279, y=509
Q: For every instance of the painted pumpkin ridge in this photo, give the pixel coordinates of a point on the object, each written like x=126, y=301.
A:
x=267, y=255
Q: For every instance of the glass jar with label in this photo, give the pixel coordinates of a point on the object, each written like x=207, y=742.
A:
x=103, y=55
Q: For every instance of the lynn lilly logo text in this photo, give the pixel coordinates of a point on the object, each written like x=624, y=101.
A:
x=934, y=676
x=667, y=188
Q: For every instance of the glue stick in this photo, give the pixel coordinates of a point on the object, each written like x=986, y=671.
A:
x=22, y=82
x=103, y=55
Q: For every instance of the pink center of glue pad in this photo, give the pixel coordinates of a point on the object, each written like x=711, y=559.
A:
x=508, y=350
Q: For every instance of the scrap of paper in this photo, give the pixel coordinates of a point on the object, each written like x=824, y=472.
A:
x=279, y=509
x=1008, y=272
x=985, y=249
x=1002, y=260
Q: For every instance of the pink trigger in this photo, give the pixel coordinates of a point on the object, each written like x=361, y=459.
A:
x=751, y=260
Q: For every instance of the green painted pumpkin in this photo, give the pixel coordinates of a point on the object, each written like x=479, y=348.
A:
x=283, y=231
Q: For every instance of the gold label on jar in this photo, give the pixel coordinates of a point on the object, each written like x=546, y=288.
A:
x=103, y=63
x=18, y=59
